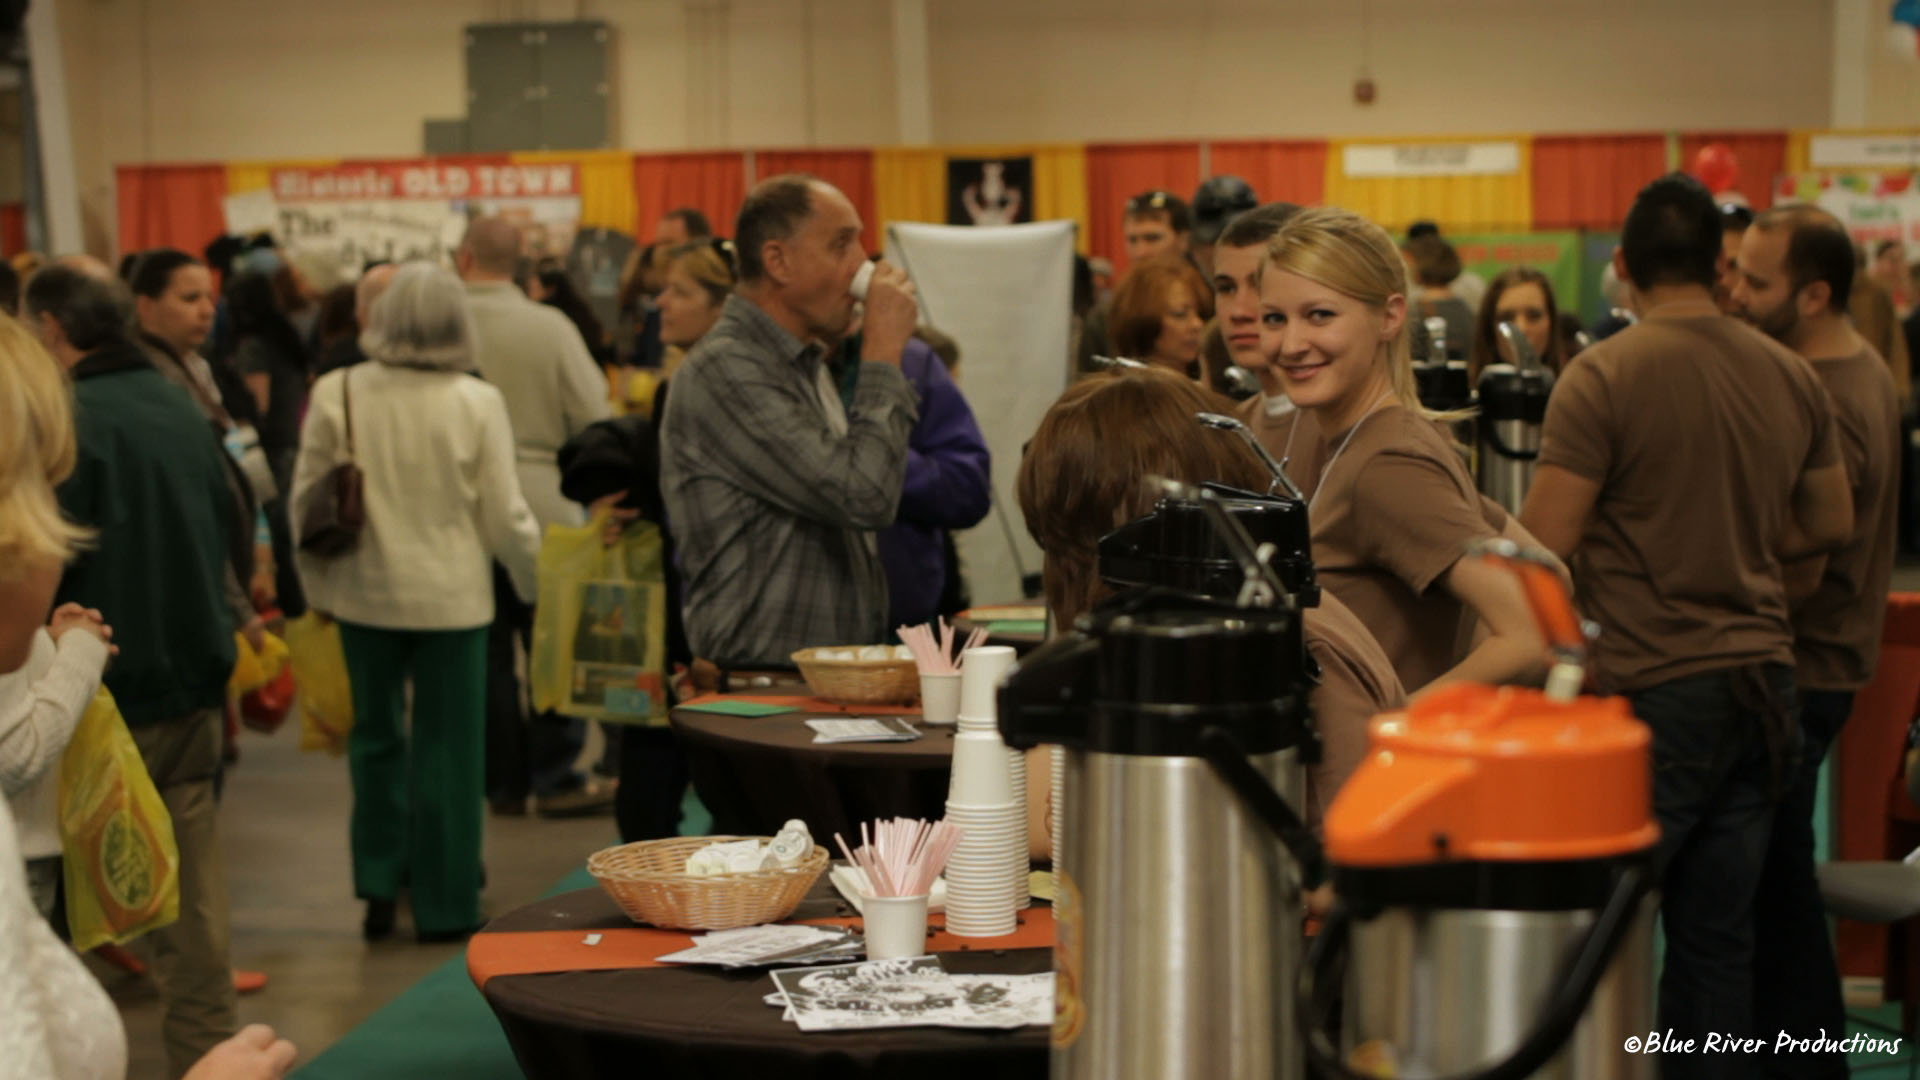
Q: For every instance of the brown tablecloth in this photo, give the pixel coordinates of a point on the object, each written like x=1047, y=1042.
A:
x=754, y=773
x=672, y=1022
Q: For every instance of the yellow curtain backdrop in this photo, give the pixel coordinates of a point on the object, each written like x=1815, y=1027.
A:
x=910, y=183
x=1060, y=188
x=245, y=176
x=1490, y=203
x=606, y=185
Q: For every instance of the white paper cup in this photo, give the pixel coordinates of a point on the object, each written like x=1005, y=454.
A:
x=981, y=815
x=999, y=925
x=990, y=881
x=977, y=723
x=862, y=278
x=974, y=834
x=896, y=926
x=981, y=670
x=980, y=773
x=991, y=863
x=940, y=699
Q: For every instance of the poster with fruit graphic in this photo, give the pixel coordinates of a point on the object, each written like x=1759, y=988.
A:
x=1874, y=206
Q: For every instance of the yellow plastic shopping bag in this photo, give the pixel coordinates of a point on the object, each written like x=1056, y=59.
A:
x=600, y=624
x=122, y=868
x=252, y=670
x=326, y=694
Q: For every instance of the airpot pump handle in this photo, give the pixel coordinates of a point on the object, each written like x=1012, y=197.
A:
x=1229, y=760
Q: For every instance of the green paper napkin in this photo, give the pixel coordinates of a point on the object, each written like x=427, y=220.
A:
x=731, y=707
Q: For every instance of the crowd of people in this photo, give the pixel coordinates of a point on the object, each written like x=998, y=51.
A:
x=1718, y=479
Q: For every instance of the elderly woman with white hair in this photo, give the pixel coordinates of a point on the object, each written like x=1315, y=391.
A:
x=414, y=595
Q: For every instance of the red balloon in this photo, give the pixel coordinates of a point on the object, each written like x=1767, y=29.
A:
x=1716, y=167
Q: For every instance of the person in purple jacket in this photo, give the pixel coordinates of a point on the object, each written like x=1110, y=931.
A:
x=948, y=483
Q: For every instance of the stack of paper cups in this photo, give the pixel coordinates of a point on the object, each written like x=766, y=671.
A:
x=981, y=893
x=1017, y=769
x=1056, y=797
x=987, y=875
x=981, y=672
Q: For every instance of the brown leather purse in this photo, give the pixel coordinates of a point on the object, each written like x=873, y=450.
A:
x=334, y=511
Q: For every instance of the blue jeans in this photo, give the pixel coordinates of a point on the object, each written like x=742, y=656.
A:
x=1723, y=742
x=1796, y=981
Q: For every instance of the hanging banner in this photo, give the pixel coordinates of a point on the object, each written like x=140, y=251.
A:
x=1872, y=206
x=395, y=211
x=1006, y=295
x=1555, y=254
x=989, y=191
x=1361, y=160
x=441, y=180
x=1863, y=151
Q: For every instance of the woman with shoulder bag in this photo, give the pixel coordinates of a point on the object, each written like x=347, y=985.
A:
x=404, y=493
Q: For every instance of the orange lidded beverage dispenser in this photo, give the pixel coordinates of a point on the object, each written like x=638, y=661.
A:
x=1492, y=858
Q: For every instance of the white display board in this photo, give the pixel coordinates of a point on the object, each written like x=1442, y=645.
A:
x=1005, y=294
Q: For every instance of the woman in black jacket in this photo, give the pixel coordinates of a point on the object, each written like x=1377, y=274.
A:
x=269, y=355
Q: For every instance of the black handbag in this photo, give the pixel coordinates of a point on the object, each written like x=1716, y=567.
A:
x=335, y=510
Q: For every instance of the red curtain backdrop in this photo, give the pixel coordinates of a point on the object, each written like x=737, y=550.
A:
x=1294, y=172
x=170, y=206
x=1118, y=173
x=1589, y=181
x=714, y=183
x=13, y=229
x=1877, y=820
x=1762, y=156
x=849, y=170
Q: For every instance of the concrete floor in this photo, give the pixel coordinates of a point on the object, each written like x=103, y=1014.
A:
x=284, y=824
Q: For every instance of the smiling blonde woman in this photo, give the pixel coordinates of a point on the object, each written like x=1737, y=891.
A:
x=1391, y=503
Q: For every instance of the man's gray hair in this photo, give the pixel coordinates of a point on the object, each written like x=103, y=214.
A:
x=421, y=320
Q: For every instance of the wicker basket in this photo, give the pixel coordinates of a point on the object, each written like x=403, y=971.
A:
x=859, y=682
x=650, y=883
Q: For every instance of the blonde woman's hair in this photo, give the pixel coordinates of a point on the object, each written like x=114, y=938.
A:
x=710, y=263
x=1356, y=258
x=36, y=453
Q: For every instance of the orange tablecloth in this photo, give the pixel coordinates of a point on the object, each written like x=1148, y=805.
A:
x=543, y=952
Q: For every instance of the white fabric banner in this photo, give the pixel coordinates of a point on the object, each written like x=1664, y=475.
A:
x=1005, y=294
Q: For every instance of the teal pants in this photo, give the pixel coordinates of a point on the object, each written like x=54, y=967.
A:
x=417, y=796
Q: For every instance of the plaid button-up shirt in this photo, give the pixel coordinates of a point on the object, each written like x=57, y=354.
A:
x=773, y=513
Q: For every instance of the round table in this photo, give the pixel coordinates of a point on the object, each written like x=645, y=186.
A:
x=754, y=773
x=668, y=1022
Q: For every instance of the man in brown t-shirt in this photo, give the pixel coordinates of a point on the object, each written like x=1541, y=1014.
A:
x=1237, y=257
x=1682, y=459
x=1796, y=272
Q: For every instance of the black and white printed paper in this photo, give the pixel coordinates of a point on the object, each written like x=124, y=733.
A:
x=909, y=993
